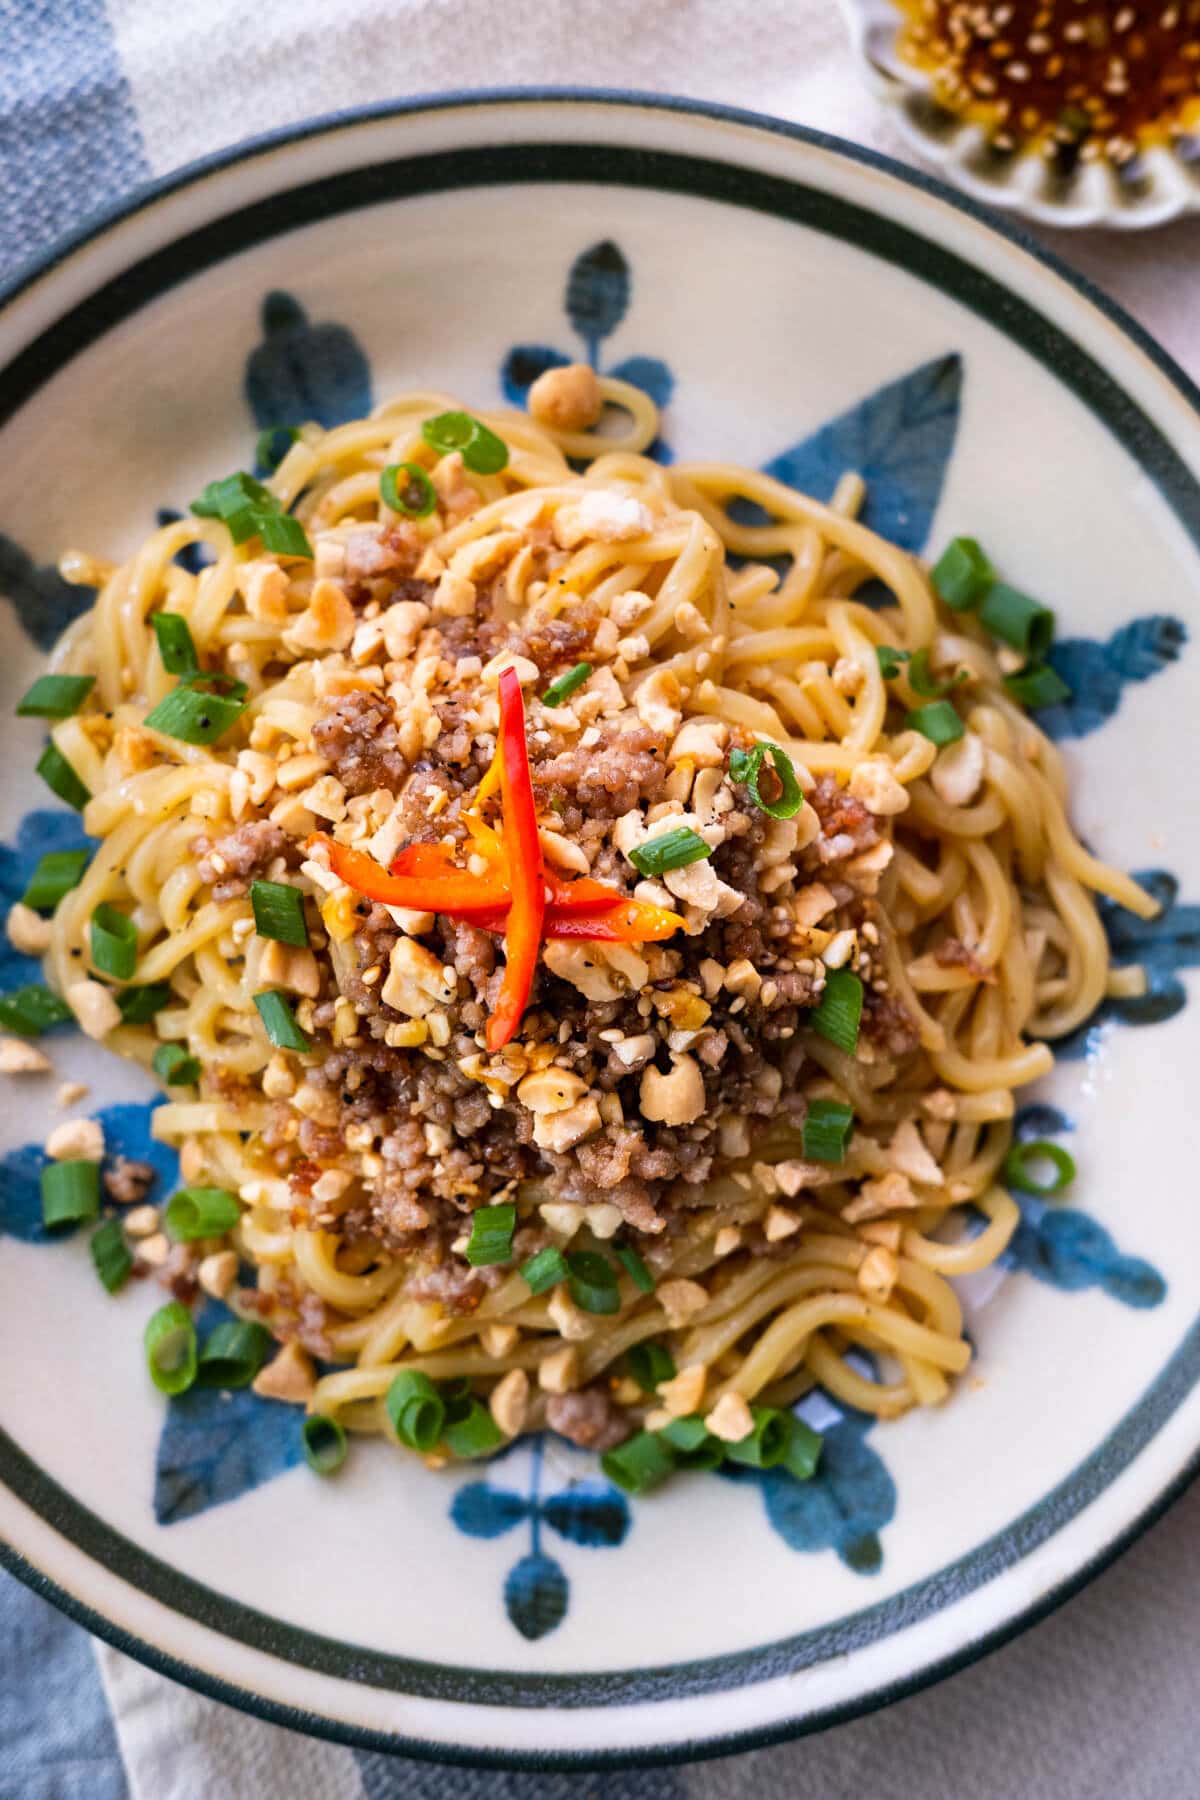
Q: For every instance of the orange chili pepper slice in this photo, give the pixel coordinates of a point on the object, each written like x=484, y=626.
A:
x=447, y=890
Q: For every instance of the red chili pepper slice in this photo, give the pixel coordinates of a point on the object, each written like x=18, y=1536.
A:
x=448, y=891
x=523, y=851
x=580, y=895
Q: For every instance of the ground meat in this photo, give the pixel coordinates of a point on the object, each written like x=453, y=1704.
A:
x=231, y=862
x=557, y=644
x=312, y=1326
x=128, y=1182
x=398, y=1212
x=952, y=953
x=439, y=1125
x=588, y=1418
x=603, y=782
x=605, y=1160
x=887, y=1023
x=382, y=550
x=459, y=1287
x=472, y=953
x=360, y=738
x=633, y=1197
x=847, y=828
x=177, y=1273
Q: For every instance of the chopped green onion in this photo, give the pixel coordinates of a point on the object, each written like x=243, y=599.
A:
x=491, y=1238
x=889, y=660
x=938, y=722
x=175, y=1067
x=482, y=450
x=283, y=535
x=545, y=1270
x=110, y=1255
x=198, y=1212
x=457, y=1398
x=248, y=508
x=685, y=1434
x=61, y=778
x=837, y=1015
x=1018, y=1171
x=673, y=850
x=266, y=447
x=232, y=1354
x=31, y=1010
x=175, y=645
x=324, y=1443
x=235, y=499
x=924, y=682
x=962, y=574
x=449, y=431
x=650, y=1363
x=746, y=766
x=279, y=912
x=416, y=1410
x=139, y=1004
x=593, y=1282
x=475, y=1434
x=196, y=716
x=70, y=1193
x=55, y=696
x=634, y=1267
x=802, y=1450
x=1037, y=684
x=170, y=1341
x=1018, y=619
x=825, y=1130
x=416, y=499
x=766, y=1445
x=279, y=1021
x=565, y=686
x=639, y=1464
x=56, y=874
x=114, y=942
x=692, y=1443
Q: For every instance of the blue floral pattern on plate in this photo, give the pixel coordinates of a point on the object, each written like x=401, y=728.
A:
x=597, y=297
x=1163, y=946
x=851, y=1497
x=215, y=1447
x=50, y=828
x=126, y=1130
x=44, y=603
x=302, y=371
x=1098, y=673
x=899, y=439
x=592, y=1514
x=1063, y=1246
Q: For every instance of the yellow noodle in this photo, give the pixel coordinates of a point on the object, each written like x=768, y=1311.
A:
x=984, y=935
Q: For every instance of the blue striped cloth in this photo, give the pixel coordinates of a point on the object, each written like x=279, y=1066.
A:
x=96, y=99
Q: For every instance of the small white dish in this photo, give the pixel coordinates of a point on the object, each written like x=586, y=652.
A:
x=1156, y=186
x=791, y=301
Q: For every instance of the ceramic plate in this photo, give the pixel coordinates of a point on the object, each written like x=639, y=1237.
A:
x=790, y=302
x=1161, y=184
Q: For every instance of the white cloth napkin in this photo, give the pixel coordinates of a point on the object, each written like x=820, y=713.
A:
x=1098, y=1703
x=204, y=75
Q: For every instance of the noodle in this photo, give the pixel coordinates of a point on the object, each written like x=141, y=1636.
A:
x=951, y=881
